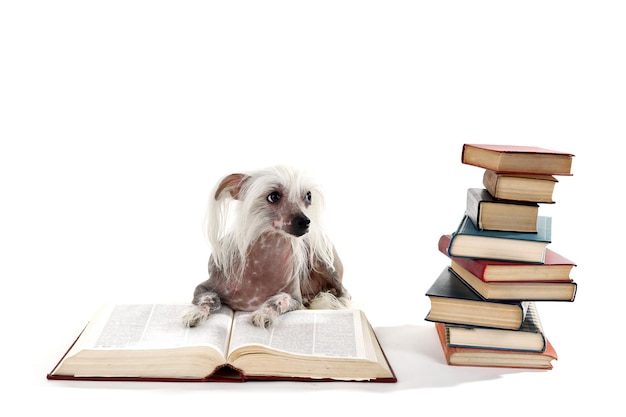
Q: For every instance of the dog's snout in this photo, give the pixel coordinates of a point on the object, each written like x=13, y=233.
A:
x=300, y=225
x=303, y=221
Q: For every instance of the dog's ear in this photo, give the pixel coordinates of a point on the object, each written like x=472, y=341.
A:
x=231, y=183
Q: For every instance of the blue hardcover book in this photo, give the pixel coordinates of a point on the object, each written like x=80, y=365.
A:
x=469, y=242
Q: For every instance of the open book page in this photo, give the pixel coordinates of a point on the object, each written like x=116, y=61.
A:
x=146, y=340
x=315, y=344
x=332, y=333
x=153, y=326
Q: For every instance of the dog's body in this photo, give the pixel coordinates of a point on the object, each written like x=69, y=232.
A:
x=271, y=254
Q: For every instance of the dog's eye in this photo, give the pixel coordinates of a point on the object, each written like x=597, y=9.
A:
x=274, y=197
x=308, y=197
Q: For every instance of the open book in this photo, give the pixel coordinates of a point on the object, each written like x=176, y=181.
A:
x=150, y=342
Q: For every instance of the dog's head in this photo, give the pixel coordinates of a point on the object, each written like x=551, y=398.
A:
x=280, y=198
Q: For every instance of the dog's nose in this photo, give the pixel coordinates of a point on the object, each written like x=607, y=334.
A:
x=303, y=221
x=300, y=225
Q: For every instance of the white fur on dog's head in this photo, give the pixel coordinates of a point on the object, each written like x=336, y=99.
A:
x=279, y=199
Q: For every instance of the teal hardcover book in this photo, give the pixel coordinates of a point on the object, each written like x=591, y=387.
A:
x=470, y=242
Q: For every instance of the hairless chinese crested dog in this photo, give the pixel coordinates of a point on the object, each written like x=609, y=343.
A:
x=270, y=252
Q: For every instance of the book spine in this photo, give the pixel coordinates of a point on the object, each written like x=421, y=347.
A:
x=532, y=323
x=475, y=268
x=472, y=207
x=470, y=264
x=490, y=182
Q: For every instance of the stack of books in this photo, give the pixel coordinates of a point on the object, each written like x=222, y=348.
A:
x=484, y=302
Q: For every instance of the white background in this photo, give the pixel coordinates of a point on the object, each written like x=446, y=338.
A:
x=117, y=118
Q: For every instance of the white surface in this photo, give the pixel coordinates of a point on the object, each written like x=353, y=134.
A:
x=117, y=119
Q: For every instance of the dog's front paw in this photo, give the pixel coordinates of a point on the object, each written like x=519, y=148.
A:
x=263, y=318
x=274, y=307
x=194, y=317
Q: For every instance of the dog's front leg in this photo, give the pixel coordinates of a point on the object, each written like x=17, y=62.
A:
x=273, y=307
x=205, y=304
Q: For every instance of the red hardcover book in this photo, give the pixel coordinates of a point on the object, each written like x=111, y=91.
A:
x=518, y=159
x=494, y=358
x=556, y=268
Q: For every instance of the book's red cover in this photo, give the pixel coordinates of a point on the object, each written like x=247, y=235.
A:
x=517, y=149
x=477, y=266
x=512, y=149
x=448, y=351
